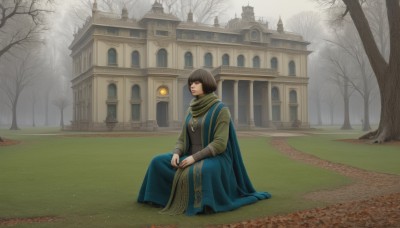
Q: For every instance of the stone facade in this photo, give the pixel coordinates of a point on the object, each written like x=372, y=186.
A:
x=132, y=74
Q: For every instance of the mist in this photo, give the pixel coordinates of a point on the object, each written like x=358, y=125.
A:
x=47, y=72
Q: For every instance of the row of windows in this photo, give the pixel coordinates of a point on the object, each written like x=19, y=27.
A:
x=275, y=95
x=136, y=102
x=135, y=93
x=162, y=60
x=112, y=92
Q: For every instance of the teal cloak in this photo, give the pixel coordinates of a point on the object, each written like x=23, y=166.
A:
x=220, y=182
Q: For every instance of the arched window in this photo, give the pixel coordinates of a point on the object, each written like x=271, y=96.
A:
x=208, y=60
x=293, y=96
x=135, y=92
x=135, y=103
x=135, y=59
x=292, y=68
x=112, y=57
x=188, y=60
x=255, y=35
x=274, y=63
x=225, y=60
x=240, y=61
x=275, y=94
x=256, y=62
x=112, y=91
x=162, y=58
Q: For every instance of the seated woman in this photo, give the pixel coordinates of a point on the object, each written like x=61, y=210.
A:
x=205, y=173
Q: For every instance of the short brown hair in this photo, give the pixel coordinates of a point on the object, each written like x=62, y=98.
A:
x=205, y=77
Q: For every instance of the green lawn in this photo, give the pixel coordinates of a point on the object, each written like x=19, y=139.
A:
x=375, y=157
x=94, y=181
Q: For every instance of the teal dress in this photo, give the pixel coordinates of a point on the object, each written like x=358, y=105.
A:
x=219, y=182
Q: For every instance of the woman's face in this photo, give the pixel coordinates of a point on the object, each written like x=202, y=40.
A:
x=196, y=88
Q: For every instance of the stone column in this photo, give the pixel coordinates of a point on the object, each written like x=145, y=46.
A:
x=175, y=106
x=251, y=105
x=236, y=103
x=219, y=89
x=269, y=104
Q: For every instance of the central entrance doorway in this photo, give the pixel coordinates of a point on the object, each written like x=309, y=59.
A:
x=162, y=114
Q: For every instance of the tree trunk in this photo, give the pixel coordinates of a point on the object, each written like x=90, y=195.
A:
x=387, y=74
x=346, y=123
x=62, y=119
x=346, y=99
x=319, y=110
x=46, y=107
x=366, y=126
x=14, y=125
x=389, y=125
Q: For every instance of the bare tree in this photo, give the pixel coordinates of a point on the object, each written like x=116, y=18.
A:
x=377, y=17
x=350, y=43
x=317, y=87
x=330, y=100
x=386, y=71
x=83, y=9
x=20, y=22
x=309, y=25
x=15, y=80
x=61, y=103
x=340, y=75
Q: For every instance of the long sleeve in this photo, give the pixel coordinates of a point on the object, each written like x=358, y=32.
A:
x=221, y=134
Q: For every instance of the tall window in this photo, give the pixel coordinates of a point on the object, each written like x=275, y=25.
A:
x=111, y=105
x=162, y=58
x=208, y=60
x=225, y=60
x=275, y=94
x=112, y=91
x=293, y=105
x=274, y=63
x=276, y=107
x=135, y=59
x=188, y=60
x=292, y=68
x=135, y=103
x=112, y=57
x=293, y=97
x=256, y=62
x=111, y=112
x=240, y=61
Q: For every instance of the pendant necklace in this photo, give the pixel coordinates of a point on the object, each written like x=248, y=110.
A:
x=193, y=124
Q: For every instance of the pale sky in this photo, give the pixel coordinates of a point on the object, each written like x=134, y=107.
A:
x=272, y=9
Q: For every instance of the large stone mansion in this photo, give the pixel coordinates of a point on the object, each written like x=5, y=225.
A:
x=132, y=74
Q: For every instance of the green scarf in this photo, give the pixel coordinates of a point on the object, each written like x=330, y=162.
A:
x=200, y=105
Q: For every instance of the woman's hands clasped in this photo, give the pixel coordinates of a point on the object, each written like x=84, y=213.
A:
x=184, y=163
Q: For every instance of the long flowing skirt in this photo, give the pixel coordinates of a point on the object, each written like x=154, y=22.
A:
x=212, y=183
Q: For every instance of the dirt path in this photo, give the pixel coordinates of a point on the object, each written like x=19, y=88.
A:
x=372, y=200
x=366, y=183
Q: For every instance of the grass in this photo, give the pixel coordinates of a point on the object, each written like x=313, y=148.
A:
x=374, y=157
x=94, y=181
